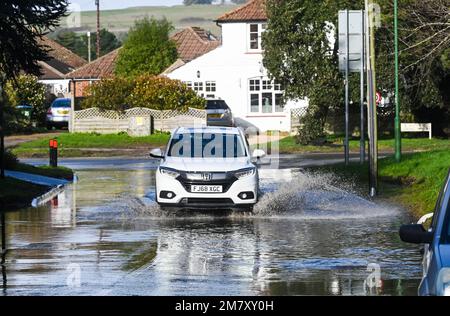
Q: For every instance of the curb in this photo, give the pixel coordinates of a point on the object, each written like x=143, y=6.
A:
x=40, y=200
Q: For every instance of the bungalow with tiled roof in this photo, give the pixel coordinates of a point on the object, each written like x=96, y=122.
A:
x=60, y=62
x=191, y=42
x=234, y=72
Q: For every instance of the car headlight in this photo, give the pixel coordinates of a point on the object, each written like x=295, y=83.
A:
x=245, y=172
x=169, y=172
x=443, y=282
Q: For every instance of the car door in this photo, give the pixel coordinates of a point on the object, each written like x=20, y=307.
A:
x=430, y=262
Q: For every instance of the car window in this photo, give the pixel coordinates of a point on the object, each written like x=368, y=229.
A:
x=216, y=105
x=61, y=104
x=439, y=204
x=207, y=145
x=445, y=237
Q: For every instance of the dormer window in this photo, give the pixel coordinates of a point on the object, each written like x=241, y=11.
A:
x=255, y=31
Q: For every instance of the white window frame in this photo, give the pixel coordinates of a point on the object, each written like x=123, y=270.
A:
x=263, y=88
x=261, y=28
x=210, y=86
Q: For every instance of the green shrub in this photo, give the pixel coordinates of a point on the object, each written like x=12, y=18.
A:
x=26, y=89
x=311, y=130
x=11, y=160
x=109, y=94
x=159, y=93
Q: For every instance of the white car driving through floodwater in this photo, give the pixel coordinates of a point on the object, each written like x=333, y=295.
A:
x=207, y=168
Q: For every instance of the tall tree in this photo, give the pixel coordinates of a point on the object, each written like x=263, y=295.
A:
x=148, y=49
x=424, y=28
x=299, y=54
x=22, y=23
x=79, y=43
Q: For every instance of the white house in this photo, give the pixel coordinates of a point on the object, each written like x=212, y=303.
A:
x=234, y=72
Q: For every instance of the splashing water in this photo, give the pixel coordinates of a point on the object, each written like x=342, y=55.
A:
x=306, y=195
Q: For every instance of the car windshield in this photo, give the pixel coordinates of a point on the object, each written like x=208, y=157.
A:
x=207, y=145
x=216, y=105
x=61, y=104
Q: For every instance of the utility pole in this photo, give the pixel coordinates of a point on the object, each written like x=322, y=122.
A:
x=398, y=133
x=362, y=145
x=372, y=106
x=97, y=3
x=89, y=45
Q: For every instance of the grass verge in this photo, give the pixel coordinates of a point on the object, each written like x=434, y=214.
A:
x=72, y=145
x=47, y=171
x=289, y=145
x=16, y=194
x=414, y=183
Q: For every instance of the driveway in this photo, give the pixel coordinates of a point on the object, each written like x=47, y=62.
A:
x=12, y=141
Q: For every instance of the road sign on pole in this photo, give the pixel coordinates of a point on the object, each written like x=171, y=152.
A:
x=351, y=59
x=353, y=20
x=378, y=97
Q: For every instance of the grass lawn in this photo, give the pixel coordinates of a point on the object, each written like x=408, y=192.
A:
x=59, y=173
x=414, y=183
x=72, y=145
x=288, y=145
x=17, y=194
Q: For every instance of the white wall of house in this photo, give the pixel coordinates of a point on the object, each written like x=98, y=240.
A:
x=59, y=87
x=234, y=73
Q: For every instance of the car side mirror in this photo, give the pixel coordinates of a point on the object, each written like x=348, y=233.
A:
x=415, y=234
x=157, y=153
x=258, y=154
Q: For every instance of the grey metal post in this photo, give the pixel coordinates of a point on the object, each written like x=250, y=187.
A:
x=2, y=133
x=362, y=147
x=347, y=66
x=3, y=253
x=89, y=45
x=72, y=105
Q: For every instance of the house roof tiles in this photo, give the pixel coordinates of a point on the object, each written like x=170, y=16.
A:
x=193, y=42
x=254, y=10
x=100, y=68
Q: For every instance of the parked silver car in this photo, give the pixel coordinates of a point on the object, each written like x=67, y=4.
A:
x=218, y=113
x=58, y=114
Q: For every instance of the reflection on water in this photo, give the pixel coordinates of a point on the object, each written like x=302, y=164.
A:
x=305, y=237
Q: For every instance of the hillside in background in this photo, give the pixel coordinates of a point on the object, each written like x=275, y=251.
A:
x=119, y=21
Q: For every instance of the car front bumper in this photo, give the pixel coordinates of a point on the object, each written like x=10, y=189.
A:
x=229, y=199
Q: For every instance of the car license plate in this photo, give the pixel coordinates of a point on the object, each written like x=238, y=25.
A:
x=206, y=188
x=63, y=112
x=214, y=115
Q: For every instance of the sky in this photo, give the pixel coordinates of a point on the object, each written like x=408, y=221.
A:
x=86, y=5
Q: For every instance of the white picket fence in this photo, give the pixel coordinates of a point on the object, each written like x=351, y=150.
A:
x=135, y=121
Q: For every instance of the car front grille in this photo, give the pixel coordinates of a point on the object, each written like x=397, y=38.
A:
x=206, y=201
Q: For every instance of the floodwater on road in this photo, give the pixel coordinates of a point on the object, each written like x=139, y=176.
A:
x=308, y=235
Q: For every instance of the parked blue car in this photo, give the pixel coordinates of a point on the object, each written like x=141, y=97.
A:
x=436, y=259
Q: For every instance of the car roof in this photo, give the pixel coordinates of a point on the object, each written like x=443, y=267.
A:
x=208, y=129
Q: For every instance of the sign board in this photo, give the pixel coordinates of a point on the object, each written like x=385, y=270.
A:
x=355, y=39
x=378, y=97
